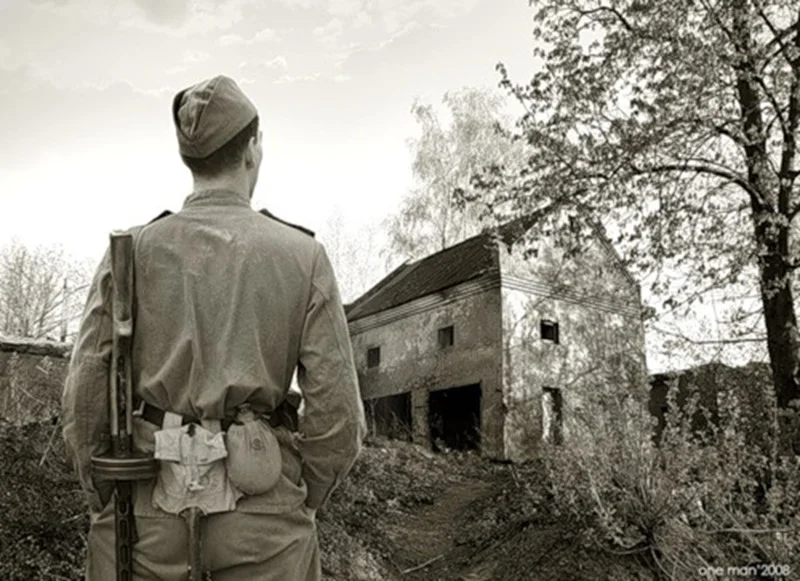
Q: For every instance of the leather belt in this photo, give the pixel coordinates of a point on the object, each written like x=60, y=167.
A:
x=156, y=415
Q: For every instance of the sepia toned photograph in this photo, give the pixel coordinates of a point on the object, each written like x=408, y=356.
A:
x=399, y=290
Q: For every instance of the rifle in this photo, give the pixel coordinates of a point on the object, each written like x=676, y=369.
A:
x=123, y=466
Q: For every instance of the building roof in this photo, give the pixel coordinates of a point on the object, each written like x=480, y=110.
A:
x=462, y=262
x=457, y=264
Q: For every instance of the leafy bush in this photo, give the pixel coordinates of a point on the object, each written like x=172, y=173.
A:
x=718, y=496
x=44, y=523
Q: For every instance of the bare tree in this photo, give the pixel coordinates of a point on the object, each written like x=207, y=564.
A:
x=355, y=253
x=42, y=290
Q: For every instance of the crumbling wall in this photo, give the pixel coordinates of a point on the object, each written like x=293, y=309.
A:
x=600, y=347
x=412, y=361
x=31, y=379
x=711, y=384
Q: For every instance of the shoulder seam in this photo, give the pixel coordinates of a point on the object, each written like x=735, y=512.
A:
x=268, y=214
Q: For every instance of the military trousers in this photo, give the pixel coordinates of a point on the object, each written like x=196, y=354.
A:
x=236, y=546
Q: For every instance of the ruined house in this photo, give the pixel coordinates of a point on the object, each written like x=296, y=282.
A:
x=488, y=344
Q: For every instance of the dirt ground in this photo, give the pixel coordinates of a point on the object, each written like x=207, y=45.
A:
x=403, y=514
x=455, y=517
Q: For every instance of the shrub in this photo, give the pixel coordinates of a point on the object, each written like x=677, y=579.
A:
x=720, y=496
x=42, y=532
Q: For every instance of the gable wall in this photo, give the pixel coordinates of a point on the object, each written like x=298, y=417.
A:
x=601, y=336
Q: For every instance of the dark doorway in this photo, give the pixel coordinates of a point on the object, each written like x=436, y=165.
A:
x=390, y=416
x=454, y=417
x=552, y=415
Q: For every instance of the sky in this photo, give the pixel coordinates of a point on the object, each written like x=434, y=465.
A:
x=88, y=145
x=86, y=86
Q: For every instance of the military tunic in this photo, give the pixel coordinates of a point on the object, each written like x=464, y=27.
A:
x=229, y=302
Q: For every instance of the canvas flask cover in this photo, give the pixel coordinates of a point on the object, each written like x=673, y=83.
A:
x=254, y=454
x=192, y=471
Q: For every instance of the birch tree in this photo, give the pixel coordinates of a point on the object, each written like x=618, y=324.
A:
x=445, y=156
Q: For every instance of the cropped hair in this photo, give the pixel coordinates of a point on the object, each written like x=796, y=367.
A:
x=226, y=157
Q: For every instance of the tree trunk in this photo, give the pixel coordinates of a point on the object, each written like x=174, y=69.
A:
x=781, y=324
x=770, y=214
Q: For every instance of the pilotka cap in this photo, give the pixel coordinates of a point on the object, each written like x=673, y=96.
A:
x=207, y=115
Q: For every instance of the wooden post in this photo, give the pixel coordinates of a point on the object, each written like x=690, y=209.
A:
x=64, y=311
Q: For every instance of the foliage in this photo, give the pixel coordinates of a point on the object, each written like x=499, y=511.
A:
x=40, y=289
x=701, y=498
x=674, y=124
x=445, y=156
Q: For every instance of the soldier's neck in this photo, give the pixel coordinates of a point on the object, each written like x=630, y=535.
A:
x=234, y=182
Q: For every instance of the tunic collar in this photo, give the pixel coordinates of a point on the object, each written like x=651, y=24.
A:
x=215, y=197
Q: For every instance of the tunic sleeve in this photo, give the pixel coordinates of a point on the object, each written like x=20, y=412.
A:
x=332, y=425
x=85, y=397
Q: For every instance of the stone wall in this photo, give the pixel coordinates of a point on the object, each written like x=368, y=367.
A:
x=31, y=379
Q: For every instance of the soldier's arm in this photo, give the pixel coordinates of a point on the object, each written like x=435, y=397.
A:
x=332, y=426
x=85, y=397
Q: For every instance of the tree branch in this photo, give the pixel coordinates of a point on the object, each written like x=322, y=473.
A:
x=711, y=341
x=778, y=36
x=699, y=168
x=628, y=26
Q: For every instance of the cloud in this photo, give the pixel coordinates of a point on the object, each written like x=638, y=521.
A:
x=298, y=3
x=452, y=8
x=344, y=7
x=286, y=79
x=362, y=20
x=5, y=53
x=340, y=55
x=330, y=32
x=263, y=35
x=164, y=12
x=195, y=56
x=395, y=15
x=76, y=119
x=277, y=63
x=187, y=17
x=407, y=27
x=341, y=78
x=230, y=40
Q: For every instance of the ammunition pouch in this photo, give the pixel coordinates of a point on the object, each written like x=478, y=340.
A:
x=212, y=464
x=192, y=471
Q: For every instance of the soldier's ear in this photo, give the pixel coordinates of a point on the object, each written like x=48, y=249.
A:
x=250, y=153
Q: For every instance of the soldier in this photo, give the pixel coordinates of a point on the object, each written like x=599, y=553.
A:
x=229, y=302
